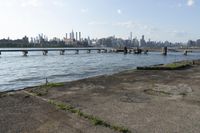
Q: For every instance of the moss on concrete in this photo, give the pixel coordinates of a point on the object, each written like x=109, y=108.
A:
x=157, y=93
x=93, y=119
x=171, y=66
x=43, y=89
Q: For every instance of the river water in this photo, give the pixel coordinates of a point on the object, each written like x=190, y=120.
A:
x=18, y=72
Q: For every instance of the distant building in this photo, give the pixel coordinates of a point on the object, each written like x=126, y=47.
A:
x=79, y=36
x=76, y=36
x=198, y=42
x=72, y=35
x=136, y=43
x=142, y=42
x=131, y=36
x=191, y=43
x=89, y=41
x=66, y=36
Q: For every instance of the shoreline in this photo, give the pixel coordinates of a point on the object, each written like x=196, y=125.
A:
x=65, y=71
x=151, y=67
x=127, y=102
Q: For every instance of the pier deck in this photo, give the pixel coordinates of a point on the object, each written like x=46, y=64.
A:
x=46, y=50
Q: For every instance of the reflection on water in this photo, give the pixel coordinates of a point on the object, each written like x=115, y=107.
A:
x=18, y=71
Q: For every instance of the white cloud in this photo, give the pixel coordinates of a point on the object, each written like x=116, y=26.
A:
x=137, y=27
x=58, y=3
x=178, y=33
x=126, y=24
x=119, y=11
x=97, y=23
x=179, y=5
x=84, y=10
x=190, y=2
x=33, y=3
x=134, y=25
x=8, y=3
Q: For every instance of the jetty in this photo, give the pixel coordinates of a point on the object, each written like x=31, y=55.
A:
x=164, y=50
x=45, y=51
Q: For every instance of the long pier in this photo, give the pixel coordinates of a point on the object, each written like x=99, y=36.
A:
x=46, y=50
x=62, y=51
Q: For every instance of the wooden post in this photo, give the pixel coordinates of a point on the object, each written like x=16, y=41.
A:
x=25, y=52
x=47, y=81
x=185, y=52
x=164, y=50
x=62, y=52
x=99, y=51
x=0, y=52
x=146, y=52
x=77, y=51
x=88, y=51
x=45, y=52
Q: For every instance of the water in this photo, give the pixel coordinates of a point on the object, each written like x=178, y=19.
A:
x=18, y=72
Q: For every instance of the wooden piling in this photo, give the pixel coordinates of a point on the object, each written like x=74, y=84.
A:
x=45, y=52
x=185, y=52
x=62, y=52
x=164, y=50
x=146, y=52
x=77, y=52
x=25, y=52
x=88, y=51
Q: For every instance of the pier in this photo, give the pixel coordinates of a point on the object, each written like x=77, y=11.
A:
x=45, y=51
x=62, y=51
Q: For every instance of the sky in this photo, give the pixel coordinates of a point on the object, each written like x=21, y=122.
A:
x=158, y=20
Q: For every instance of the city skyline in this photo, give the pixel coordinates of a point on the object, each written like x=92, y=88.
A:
x=160, y=20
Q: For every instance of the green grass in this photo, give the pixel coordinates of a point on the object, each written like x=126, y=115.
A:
x=157, y=93
x=5, y=94
x=43, y=89
x=171, y=66
x=51, y=85
x=176, y=65
x=2, y=95
x=93, y=119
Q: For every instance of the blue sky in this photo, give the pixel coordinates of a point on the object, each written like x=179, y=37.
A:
x=160, y=20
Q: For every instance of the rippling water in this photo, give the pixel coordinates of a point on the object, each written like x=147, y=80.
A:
x=17, y=71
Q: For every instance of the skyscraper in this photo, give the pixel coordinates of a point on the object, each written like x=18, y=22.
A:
x=142, y=37
x=79, y=36
x=76, y=36
x=66, y=36
x=142, y=42
x=72, y=34
x=131, y=36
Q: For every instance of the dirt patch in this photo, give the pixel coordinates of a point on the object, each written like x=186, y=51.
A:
x=134, y=97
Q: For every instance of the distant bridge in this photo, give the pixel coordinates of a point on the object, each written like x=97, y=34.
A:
x=62, y=51
x=46, y=50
